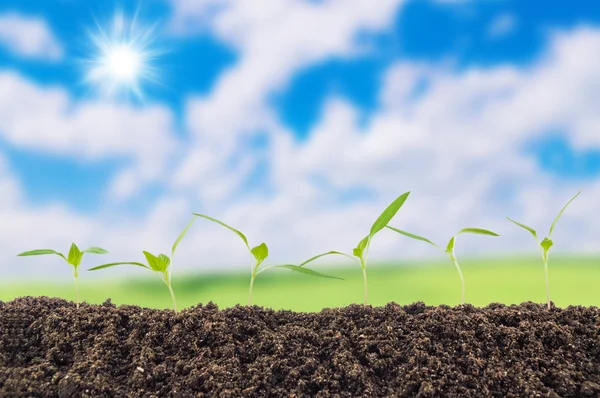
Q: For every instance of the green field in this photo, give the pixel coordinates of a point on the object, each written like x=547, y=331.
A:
x=573, y=281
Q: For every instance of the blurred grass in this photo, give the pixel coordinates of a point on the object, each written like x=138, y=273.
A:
x=573, y=281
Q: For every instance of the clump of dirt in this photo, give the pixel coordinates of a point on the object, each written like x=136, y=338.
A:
x=49, y=348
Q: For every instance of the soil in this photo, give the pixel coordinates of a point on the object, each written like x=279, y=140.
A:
x=49, y=348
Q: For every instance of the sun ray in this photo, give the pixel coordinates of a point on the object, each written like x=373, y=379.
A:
x=122, y=57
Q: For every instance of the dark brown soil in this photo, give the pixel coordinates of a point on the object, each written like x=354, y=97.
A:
x=48, y=348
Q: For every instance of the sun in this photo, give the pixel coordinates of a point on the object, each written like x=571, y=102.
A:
x=122, y=58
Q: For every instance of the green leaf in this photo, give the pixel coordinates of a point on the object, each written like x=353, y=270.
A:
x=524, y=226
x=260, y=252
x=359, y=250
x=121, y=263
x=153, y=261
x=388, y=214
x=75, y=255
x=478, y=231
x=95, y=250
x=39, y=252
x=546, y=244
x=450, y=246
x=306, y=271
x=164, y=262
x=241, y=235
x=325, y=254
x=412, y=235
x=561, y=212
x=180, y=237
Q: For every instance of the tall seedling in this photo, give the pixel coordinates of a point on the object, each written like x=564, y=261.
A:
x=361, y=250
x=260, y=253
x=545, y=244
x=450, y=248
x=74, y=258
x=160, y=264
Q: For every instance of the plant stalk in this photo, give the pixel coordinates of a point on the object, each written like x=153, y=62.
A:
x=251, y=285
x=366, y=292
x=462, y=280
x=547, y=284
x=172, y=296
x=76, y=291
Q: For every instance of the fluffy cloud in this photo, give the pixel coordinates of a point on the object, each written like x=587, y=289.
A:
x=87, y=131
x=29, y=37
x=275, y=39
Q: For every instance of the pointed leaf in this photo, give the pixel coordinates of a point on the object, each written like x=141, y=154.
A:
x=95, y=250
x=306, y=271
x=39, y=252
x=359, y=250
x=412, y=235
x=121, y=263
x=478, y=231
x=153, y=261
x=561, y=212
x=450, y=246
x=260, y=252
x=180, y=237
x=164, y=262
x=546, y=244
x=75, y=255
x=326, y=254
x=241, y=235
x=525, y=227
x=388, y=214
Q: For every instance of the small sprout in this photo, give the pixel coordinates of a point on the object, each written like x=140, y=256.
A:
x=450, y=247
x=160, y=264
x=361, y=250
x=74, y=258
x=260, y=253
x=545, y=244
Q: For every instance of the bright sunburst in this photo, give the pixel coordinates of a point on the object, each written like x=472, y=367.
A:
x=122, y=59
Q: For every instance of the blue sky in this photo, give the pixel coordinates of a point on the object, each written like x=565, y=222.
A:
x=298, y=113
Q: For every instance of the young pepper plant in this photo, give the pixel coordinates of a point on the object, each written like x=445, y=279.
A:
x=361, y=250
x=260, y=253
x=74, y=258
x=450, y=248
x=545, y=244
x=160, y=264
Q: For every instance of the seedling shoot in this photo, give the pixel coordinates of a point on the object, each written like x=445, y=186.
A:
x=450, y=248
x=74, y=258
x=361, y=250
x=545, y=244
x=259, y=254
x=160, y=264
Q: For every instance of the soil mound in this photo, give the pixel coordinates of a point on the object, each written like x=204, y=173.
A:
x=48, y=348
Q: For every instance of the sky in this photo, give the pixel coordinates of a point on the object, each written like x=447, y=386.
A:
x=297, y=122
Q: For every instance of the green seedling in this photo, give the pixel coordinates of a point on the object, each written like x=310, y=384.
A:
x=160, y=264
x=260, y=253
x=361, y=250
x=545, y=244
x=74, y=258
x=450, y=247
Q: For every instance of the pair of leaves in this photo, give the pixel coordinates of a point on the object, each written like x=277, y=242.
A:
x=158, y=263
x=75, y=255
x=260, y=252
x=450, y=247
x=379, y=224
x=546, y=243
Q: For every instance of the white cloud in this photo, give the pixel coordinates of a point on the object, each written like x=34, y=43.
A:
x=86, y=131
x=275, y=39
x=29, y=37
x=502, y=25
